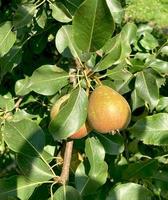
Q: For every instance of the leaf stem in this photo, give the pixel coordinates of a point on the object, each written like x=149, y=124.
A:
x=66, y=163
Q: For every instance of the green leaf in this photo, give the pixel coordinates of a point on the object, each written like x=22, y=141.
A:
x=121, y=78
x=116, y=10
x=112, y=57
x=23, y=86
x=65, y=44
x=129, y=191
x=142, y=169
x=41, y=18
x=71, y=117
x=159, y=66
x=66, y=192
x=97, y=176
x=24, y=137
x=10, y=60
x=129, y=33
x=34, y=168
x=113, y=144
x=72, y=5
x=162, y=104
x=118, y=48
x=92, y=25
x=147, y=88
x=7, y=102
x=148, y=41
x=164, y=50
x=136, y=100
x=17, y=186
x=7, y=37
x=24, y=15
x=152, y=129
x=48, y=79
x=59, y=12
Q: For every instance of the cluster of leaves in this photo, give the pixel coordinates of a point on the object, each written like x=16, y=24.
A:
x=40, y=43
x=151, y=11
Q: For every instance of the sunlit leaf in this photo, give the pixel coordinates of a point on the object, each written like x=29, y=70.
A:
x=7, y=102
x=59, y=12
x=162, y=104
x=22, y=87
x=65, y=43
x=48, y=79
x=128, y=191
x=71, y=117
x=93, y=30
x=147, y=89
x=159, y=66
x=7, y=37
x=88, y=184
x=149, y=41
x=66, y=192
x=116, y=10
x=152, y=129
x=24, y=137
x=17, y=186
x=34, y=168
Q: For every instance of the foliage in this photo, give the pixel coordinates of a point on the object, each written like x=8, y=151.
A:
x=52, y=48
x=153, y=11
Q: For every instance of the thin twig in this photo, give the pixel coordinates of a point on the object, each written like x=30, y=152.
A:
x=17, y=104
x=66, y=164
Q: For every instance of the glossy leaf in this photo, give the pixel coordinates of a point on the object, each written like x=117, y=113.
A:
x=48, y=79
x=71, y=117
x=148, y=41
x=7, y=102
x=147, y=89
x=7, y=37
x=136, y=100
x=66, y=192
x=93, y=30
x=164, y=50
x=112, y=57
x=162, y=104
x=41, y=19
x=23, y=86
x=65, y=43
x=113, y=144
x=159, y=66
x=88, y=184
x=24, y=15
x=34, y=168
x=116, y=10
x=17, y=186
x=128, y=191
x=24, y=137
x=117, y=49
x=152, y=129
x=59, y=12
x=129, y=33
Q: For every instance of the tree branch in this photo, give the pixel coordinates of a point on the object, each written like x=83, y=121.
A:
x=66, y=163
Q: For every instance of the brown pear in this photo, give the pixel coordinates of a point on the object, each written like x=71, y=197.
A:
x=108, y=111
